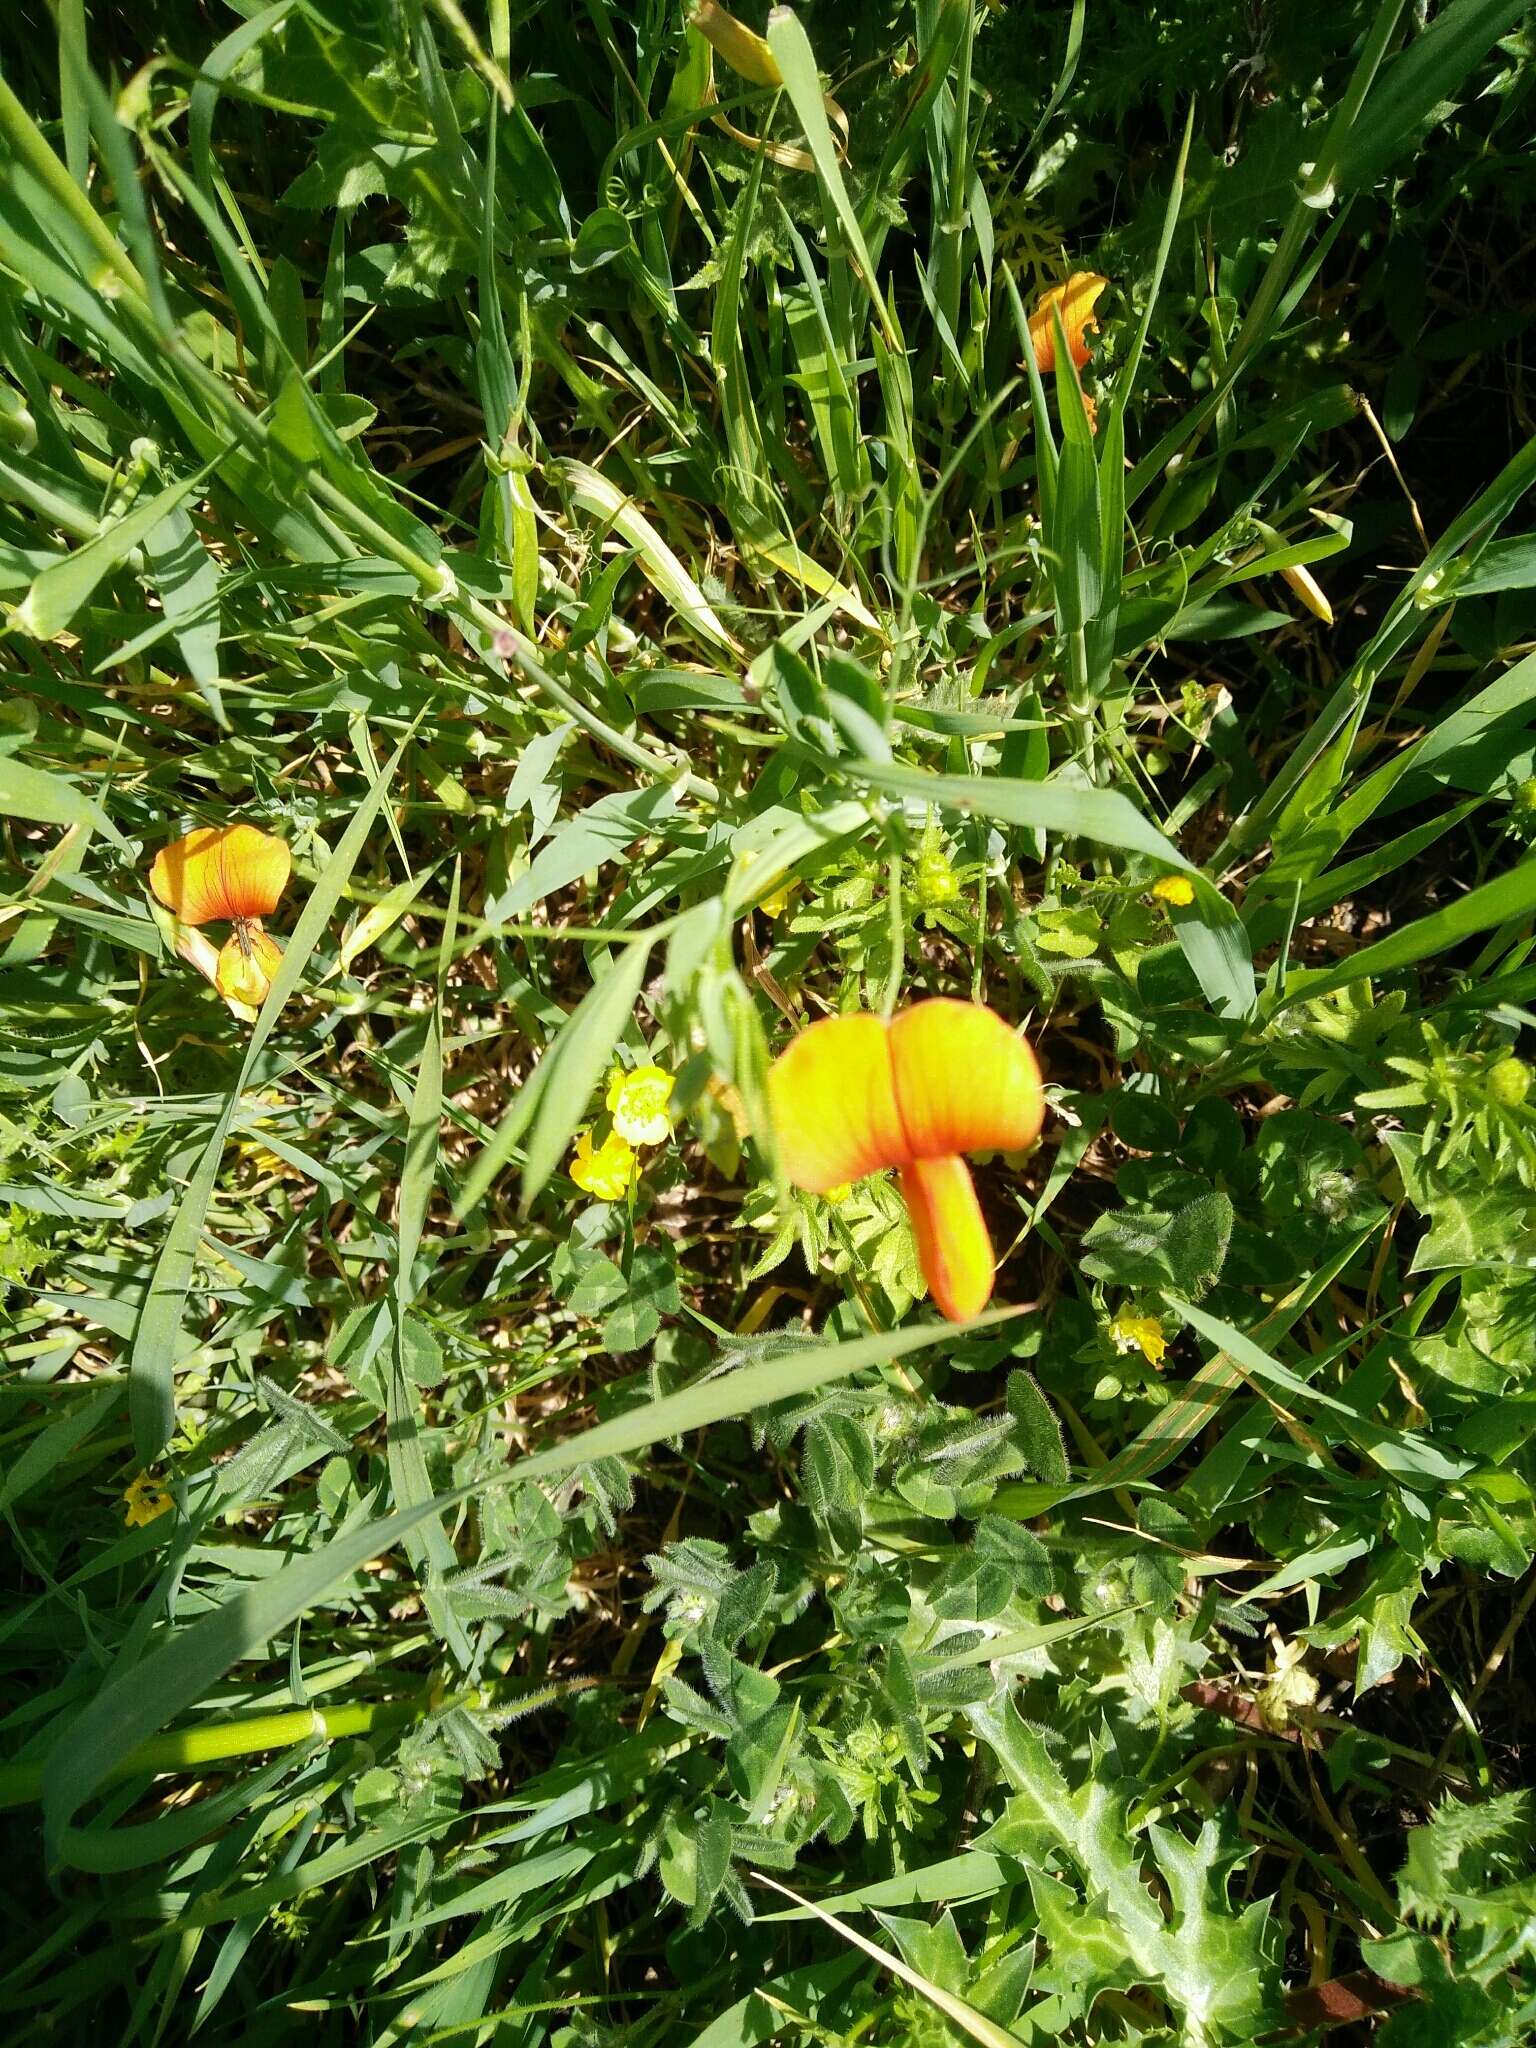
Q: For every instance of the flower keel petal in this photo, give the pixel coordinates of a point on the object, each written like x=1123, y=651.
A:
x=952, y=1240
x=247, y=963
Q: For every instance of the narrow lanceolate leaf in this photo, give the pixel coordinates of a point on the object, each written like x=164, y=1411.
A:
x=595, y=494
x=48, y=799
x=972, y=2023
x=429, y=1546
x=1510, y=895
x=63, y=587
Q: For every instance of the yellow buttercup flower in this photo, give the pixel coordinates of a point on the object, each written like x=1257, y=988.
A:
x=637, y=1100
x=1139, y=1333
x=1177, y=889
x=608, y=1170
x=146, y=1500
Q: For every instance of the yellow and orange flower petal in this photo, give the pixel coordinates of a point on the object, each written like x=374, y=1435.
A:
x=248, y=959
x=965, y=1081
x=221, y=872
x=852, y=1095
x=1076, y=299
x=834, y=1104
x=953, y=1245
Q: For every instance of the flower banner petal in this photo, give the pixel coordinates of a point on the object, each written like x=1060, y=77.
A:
x=965, y=1082
x=221, y=872
x=1076, y=299
x=833, y=1104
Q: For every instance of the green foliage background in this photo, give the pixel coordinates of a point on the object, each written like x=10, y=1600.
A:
x=601, y=509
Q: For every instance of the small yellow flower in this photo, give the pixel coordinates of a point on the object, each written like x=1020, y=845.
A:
x=835, y=1197
x=146, y=1500
x=1139, y=1333
x=778, y=898
x=638, y=1103
x=1177, y=889
x=608, y=1171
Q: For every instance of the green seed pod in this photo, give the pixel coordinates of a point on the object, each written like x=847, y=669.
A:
x=1508, y=1082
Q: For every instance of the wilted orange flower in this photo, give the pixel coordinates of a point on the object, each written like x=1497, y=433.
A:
x=1076, y=299
x=853, y=1095
x=231, y=874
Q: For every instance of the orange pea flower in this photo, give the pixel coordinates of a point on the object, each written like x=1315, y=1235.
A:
x=230, y=874
x=1077, y=298
x=852, y=1095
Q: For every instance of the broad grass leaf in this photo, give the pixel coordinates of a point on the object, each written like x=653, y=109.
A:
x=1100, y=815
x=429, y=1546
x=1510, y=895
x=60, y=1440
x=792, y=53
x=187, y=580
x=598, y=834
x=1422, y=80
x=48, y=799
x=62, y=588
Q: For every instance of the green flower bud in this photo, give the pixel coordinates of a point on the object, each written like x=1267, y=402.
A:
x=935, y=881
x=1520, y=819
